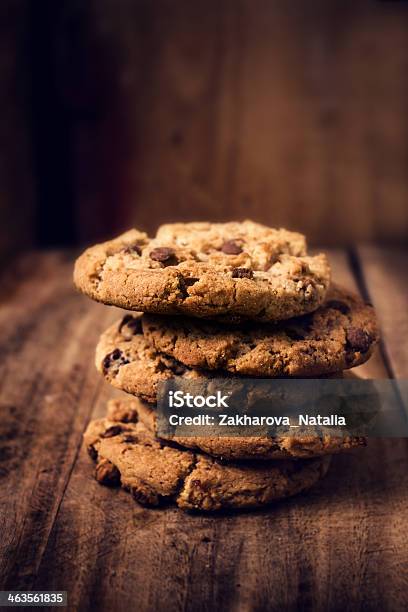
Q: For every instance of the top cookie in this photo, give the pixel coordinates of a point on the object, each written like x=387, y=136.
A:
x=207, y=270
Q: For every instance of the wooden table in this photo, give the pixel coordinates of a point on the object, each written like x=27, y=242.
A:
x=343, y=546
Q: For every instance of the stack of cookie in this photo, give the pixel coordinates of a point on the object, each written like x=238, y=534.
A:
x=236, y=299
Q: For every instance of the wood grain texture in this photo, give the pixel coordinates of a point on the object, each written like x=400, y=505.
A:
x=385, y=276
x=47, y=385
x=292, y=113
x=342, y=546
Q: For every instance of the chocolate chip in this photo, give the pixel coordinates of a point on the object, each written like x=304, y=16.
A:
x=230, y=247
x=112, y=431
x=293, y=334
x=93, y=453
x=106, y=363
x=163, y=255
x=127, y=416
x=358, y=339
x=337, y=305
x=242, y=273
x=115, y=355
x=196, y=483
x=134, y=324
x=190, y=280
x=107, y=474
x=130, y=439
x=187, y=281
x=133, y=248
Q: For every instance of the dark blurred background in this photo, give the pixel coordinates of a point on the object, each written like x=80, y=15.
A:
x=134, y=112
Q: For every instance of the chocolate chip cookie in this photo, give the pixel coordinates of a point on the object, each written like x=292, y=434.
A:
x=128, y=454
x=129, y=362
x=207, y=270
x=304, y=445
x=339, y=335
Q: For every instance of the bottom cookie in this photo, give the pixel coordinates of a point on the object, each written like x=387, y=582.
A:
x=129, y=455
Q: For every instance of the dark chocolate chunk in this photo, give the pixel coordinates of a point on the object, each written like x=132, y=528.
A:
x=107, y=474
x=358, y=339
x=130, y=439
x=109, y=360
x=106, y=363
x=163, y=255
x=230, y=247
x=185, y=282
x=133, y=248
x=129, y=416
x=93, y=453
x=242, y=273
x=112, y=431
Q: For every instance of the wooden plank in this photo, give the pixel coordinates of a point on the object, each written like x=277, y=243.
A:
x=384, y=272
x=289, y=112
x=342, y=546
x=378, y=540
x=47, y=386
